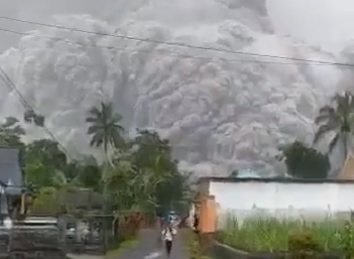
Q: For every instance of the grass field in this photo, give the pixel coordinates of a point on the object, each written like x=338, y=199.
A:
x=272, y=235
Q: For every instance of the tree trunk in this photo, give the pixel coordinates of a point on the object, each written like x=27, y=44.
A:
x=105, y=149
x=108, y=161
x=345, y=146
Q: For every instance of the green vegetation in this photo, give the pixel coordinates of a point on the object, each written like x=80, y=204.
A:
x=304, y=239
x=338, y=120
x=193, y=246
x=336, y=123
x=272, y=235
x=305, y=162
x=104, y=127
x=137, y=174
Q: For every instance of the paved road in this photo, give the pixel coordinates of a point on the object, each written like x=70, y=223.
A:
x=150, y=248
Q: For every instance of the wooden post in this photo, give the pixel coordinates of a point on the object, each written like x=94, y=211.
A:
x=207, y=215
x=207, y=222
x=23, y=203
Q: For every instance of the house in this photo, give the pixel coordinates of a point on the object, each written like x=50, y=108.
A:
x=11, y=180
x=10, y=169
x=278, y=197
x=250, y=195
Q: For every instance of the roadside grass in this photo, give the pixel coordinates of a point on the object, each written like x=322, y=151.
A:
x=192, y=246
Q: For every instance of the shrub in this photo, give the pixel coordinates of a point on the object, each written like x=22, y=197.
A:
x=194, y=248
x=303, y=245
x=346, y=239
x=129, y=225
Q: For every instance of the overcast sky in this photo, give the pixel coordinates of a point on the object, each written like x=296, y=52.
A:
x=328, y=23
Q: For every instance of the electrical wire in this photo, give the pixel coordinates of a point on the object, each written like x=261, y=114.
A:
x=168, y=53
x=11, y=85
x=23, y=101
x=150, y=52
x=175, y=44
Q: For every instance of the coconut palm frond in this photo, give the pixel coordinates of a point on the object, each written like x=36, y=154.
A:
x=97, y=139
x=338, y=119
x=94, y=112
x=105, y=127
x=326, y=114
x=321, y=132
x=327, y=109
x=94, y=128
x=333, y=142
x=322, y=118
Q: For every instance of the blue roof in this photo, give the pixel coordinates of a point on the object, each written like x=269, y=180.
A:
x=10, y=169
x=247, y=173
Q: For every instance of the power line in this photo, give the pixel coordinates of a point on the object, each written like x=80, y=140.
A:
x=6, y=79
x=8, y=83
x=176, y=44
x=150, y=52
x=11, y=85
x=166, y=53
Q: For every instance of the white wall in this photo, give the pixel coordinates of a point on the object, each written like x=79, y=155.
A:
x=283, y=199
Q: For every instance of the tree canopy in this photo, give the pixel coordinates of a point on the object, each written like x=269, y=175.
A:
x=142, y=173
x=104, y=127
x=146, y=175
x=305, y=162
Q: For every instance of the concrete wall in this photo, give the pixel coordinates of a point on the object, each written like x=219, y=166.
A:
x=283, y=199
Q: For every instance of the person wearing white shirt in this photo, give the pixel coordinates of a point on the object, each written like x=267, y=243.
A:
x=168, y=235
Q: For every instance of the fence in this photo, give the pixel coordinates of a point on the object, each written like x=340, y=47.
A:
x=100, y=233
x=89, y=234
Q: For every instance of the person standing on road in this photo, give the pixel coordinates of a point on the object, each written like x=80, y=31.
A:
x=168, y=235
x=196, y=223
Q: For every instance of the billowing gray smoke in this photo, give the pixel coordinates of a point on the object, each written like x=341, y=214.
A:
x=218, y=115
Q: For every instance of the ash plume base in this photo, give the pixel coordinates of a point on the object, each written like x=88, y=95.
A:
x=219, y=115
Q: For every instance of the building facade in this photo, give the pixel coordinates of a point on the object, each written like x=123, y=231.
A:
x=281, y=198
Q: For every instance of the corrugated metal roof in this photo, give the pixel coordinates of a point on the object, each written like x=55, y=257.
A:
x=248, y=173
x=273, y=180
x=39, y=220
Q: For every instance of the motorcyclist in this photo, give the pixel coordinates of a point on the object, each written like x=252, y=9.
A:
x=168, y=234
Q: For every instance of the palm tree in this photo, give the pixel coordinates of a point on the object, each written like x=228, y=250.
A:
x=338, y=121
x=104, y=127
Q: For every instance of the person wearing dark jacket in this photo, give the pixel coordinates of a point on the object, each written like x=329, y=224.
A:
x=196, y=222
